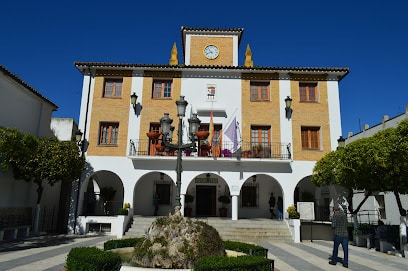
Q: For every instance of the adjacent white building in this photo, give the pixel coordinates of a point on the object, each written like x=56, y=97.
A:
x=382, y=205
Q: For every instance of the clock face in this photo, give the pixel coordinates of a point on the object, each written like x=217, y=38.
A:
x=211, y=51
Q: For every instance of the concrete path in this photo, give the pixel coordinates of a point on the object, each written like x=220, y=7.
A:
x=50, y=252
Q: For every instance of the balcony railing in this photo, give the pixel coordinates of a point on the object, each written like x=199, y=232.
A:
x=275, y=151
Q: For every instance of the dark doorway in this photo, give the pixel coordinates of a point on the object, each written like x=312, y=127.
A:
x=205, y=204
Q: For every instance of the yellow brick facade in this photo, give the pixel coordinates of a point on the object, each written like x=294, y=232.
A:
x=153, y=109
x=262, y=113
x=109, y=110
x=312, y=115
x=224, y=44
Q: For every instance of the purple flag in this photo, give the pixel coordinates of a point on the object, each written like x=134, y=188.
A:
x=231, y=132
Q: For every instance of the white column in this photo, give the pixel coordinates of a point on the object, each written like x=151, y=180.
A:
x=286, y=124
x=234, y=210
x=182, y=202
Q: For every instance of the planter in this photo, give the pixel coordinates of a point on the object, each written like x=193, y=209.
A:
x=159, y=147
x=153, y=134
x=202, y=134
x=361, y=241
x=223, y=212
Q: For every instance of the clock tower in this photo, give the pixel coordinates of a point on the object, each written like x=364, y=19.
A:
x=211, y=46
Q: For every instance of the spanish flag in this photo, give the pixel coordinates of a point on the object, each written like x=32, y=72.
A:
x=211, y=130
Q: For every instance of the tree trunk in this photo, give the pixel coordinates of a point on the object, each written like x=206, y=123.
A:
x=38, y=207
x=355, y=212
x=402, y=211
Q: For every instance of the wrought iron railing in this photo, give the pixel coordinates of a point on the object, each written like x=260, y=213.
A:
x=279, y=151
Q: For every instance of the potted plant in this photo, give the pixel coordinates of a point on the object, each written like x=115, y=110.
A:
x=123, y=211
x=224, y=199
x=187, y=200
x=293, y=214
x=226, y=153
x=153, y=134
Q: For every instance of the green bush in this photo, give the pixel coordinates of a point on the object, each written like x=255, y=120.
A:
x=293, y=214
x=246, y=248
x=119, y=243
x=92, y=259
x=123, y=211
x=241, y=263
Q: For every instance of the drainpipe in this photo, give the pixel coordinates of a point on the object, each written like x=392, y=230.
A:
x=83, y=147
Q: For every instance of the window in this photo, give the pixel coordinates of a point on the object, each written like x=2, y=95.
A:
x=259, y=91
x=210, y=92
x=113, y=88
x=108, y=133
x=310, y=138
x=260, y=136
x=308, y=92
x=162, y=89
x=249, y=195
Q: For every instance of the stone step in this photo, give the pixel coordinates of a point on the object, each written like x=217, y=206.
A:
x=245, y=230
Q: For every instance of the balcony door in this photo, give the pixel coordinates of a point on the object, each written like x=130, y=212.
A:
x=260, y=141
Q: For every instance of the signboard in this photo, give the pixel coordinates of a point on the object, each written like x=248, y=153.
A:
x=306, y=210
x=206, y=180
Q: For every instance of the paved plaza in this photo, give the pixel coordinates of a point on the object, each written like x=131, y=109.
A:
x=50, y=252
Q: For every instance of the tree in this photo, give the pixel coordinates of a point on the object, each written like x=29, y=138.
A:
x=393, y=146
x=355, y=167
x=377, y=163
x=16, y=151
x=39, y=159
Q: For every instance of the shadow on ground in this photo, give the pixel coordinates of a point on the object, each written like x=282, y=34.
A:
x=37, y=242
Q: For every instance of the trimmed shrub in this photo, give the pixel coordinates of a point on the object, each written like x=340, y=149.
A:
x=119, y=243
x=241, y=263
x=246, y=248
x=123, y=211
x=293, y=214
x=92, y=259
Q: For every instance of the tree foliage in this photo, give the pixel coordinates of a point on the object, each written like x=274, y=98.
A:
x=39, y=159
x=376, y=163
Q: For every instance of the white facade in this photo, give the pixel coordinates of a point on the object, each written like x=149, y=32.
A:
x=135, y=173
x=382, y=205
x=24, y=108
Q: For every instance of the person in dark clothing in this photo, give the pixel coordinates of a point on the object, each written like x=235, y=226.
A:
x=156, y=203
x=339, y=225
x=280, y=208
x=272, y=202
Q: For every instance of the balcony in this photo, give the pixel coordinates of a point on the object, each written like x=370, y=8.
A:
x=247, y=150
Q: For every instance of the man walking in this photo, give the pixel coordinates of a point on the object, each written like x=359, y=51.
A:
x=339, y=224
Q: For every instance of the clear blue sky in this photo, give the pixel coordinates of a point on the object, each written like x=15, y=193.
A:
x=41, y=40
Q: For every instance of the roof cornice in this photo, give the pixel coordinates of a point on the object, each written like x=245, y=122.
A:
x=84, y=67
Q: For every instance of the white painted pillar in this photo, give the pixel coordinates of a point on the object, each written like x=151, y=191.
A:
x=234, y=210
x=182, y=202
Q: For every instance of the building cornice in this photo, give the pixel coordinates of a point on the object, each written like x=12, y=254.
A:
x=332, y=72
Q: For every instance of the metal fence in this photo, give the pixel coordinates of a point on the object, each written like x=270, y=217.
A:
x=226, y=150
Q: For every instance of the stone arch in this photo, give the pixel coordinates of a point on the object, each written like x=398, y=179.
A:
x=206, y=187
x=146, y=187
x=306, y=191
x=259, y=186
x=93, y=201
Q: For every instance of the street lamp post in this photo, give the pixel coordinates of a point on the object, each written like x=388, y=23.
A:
x=167, y=129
